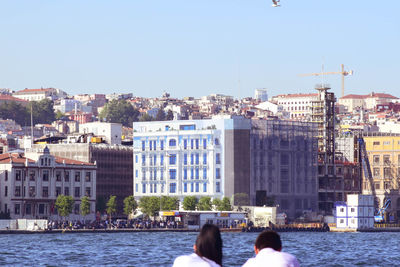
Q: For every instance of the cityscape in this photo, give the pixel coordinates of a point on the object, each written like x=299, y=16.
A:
x=199, y=133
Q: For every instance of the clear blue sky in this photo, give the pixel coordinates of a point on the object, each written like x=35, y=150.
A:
x=198, y=47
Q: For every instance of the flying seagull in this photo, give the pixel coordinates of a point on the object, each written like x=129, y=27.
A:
x=275, y=3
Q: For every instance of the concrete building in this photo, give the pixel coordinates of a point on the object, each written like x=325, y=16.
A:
x=40, y=94
x=299, y=105
x=8, y=98
x=261, y=95
x=357, y=213
x=111, y=132
x=30, y=184
x=114, y=167
x=227, y=155
x=354, y=102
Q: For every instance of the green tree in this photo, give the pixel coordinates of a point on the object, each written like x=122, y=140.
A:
x=217, y=203
x=59, y=115
x=119, y=111
x=14, y=111
x=146, y=117
x=130, y=205
x=101, y=204
x=111, y=206
x=64, y=205
x=169, y=203
x=149, y=205
x=170, y=115
x=42, y=111
x=241, y=199
x=85, y=206
x=190, y=203
x=225, y=205
x=204, y=203
x=160, y=115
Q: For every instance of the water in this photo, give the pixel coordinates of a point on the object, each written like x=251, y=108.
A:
x=160, y=249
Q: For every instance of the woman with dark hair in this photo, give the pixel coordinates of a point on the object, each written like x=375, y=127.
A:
x=207, y=250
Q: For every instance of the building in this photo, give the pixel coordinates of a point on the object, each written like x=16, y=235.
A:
x=30, y=184
x=8, y=98
x=384, y=157
x=40, y=94
x=261, y=95
x=299, y=105
x=114, y=167
x=111, y=132
x=227, y=155
x=354, y=102
x=357, y=213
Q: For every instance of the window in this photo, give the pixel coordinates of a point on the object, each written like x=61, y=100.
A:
x=45, y=175
x=197, y=158
x=284, y=159
x=66, y=177
x=377, y=172
x=377, y=186
x=191, y=187
x=185, y=174
x=191, y=143
x=66, y=191
x=143, y=174
x=217, y=173
x=284, y=186
x=172, y=174
x=143, y=145
x=58, y=176
x=155, y=188
x=191, y=159
x=376, y=143
x=192, y=173
x=204, y=173
x=216, y=141
x=197, y=174
x=5, y=191
x=172, y=159
x=18, y=175
x=45, y=191
x=197, y=187
x=204, y=143
x=32, y=191
x=155, y=174
x=136, y=188
x=204, y=187
x=385, y=143
x=143, y=160
x=162, y=144
x=136, y=173
x=136, y=159
x=205, y=158
x=184, y=159
x=88, y=176
x=172, y=187
x=172, y=142
x=161, y=174
x=218, y=158
x=17, y=209
x=376, y=160
x=387, y=173
x=155, y=159
x=197, y=143
x=17, y=191
x=185, y=144
x=217, y=187
x=143, y=188
x=76, y=209
x=185, y=187
x=77, y=192
x=28, y=209
x=6, y=175
x=77, y=176
x=88, y=192
x=386, y=160
x=162, y=160
x=58, y=191
x=151, y=145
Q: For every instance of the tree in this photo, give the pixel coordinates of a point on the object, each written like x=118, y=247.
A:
x=160, y=115
x=130, y=205
x=111, y=206
x=241, y=199
x=100, y=204
x=225, y=205
x=190, y=203
x=170, y=115
x=146, y=117
x=169, y=203
x=64, y=205
x=217, y=203
x=42, y=111
x=204, y=203
x=119, y=111
x=59, y=115
x=14, y=111
x=85, y=206
x=149, y=205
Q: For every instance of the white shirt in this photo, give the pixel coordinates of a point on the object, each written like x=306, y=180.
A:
x=194, y=260
x=273, y=258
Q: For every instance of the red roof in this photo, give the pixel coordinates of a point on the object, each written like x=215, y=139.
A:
x=297, y=95
x=72, y=162
x=11, y=98
x=371, y=95
x=26, y=90
x=19, y=158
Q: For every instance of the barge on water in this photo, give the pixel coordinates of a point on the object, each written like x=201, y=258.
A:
x=295, y=227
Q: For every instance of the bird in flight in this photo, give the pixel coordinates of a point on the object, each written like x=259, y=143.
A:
x=275, y=3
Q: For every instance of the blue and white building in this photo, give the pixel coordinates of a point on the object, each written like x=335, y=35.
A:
x=357, y=213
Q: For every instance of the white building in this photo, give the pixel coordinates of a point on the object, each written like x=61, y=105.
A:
x=357, y=213
x=299, y=105
x=261, y=94
x=111, y=132
x=30, y=184
x=179, y=158
x=40, y=94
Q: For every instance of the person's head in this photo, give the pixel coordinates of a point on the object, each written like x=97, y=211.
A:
x=268, y=239
x=209, y=243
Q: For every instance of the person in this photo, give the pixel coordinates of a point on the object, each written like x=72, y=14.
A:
x=207, y=250
x=268, y=249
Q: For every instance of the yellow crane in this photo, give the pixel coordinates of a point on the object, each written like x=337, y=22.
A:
x=343, y=73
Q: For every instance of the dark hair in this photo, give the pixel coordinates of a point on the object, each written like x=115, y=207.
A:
x=269, y=239
x=209, y=243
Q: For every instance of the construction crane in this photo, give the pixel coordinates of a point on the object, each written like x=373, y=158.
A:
x=342, y=72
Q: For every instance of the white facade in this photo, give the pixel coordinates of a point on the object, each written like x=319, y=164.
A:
x=112, y=132
x=29, y=185
x=179, y=158
x=358, y=213
x=299, y=105
x=261, y=94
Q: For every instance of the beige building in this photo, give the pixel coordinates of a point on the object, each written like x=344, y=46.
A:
x=298, y=105
x=353, y=102
x=30, y=184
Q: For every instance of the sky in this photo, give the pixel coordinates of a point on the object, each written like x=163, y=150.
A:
x=198, y=47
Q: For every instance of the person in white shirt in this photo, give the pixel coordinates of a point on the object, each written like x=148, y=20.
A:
x=268, y=249
x=207, y=250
